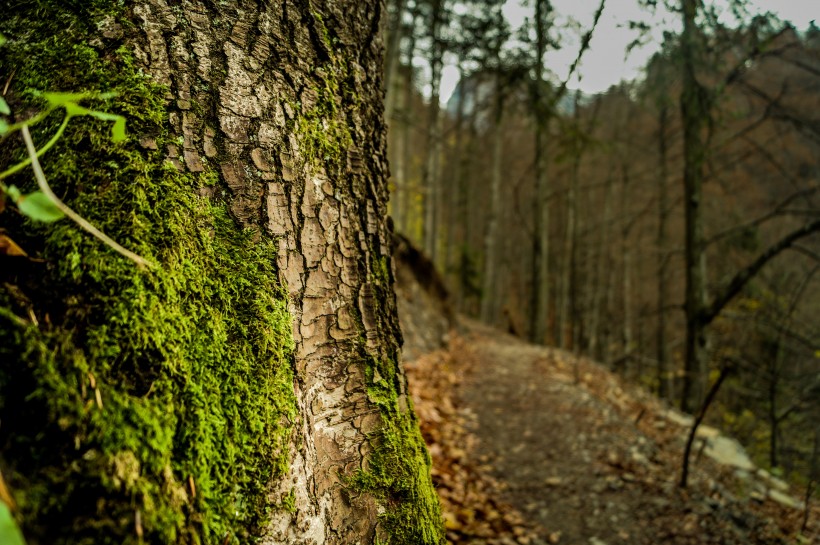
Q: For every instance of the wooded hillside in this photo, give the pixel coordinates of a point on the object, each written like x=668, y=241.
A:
x=666, y=227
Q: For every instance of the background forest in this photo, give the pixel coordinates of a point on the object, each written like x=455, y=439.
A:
x=666, y=227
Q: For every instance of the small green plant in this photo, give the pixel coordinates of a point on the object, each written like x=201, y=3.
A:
x=43, y=204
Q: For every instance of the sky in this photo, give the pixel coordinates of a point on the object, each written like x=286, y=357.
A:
x=606, y=62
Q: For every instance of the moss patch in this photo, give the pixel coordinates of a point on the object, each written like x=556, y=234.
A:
x=323, y=132
x=399, y=476
x=156, y=401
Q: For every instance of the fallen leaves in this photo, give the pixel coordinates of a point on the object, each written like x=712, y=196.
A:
x=471, y=508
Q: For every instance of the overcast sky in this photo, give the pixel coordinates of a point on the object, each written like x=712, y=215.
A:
x=606, y=63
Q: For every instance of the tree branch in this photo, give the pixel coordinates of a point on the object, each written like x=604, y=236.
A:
x=745, y=275
x=778, y=210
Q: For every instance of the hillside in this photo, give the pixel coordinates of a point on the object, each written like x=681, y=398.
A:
x=532, y=445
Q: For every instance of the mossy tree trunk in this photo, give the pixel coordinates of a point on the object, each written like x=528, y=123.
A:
x=250, y=383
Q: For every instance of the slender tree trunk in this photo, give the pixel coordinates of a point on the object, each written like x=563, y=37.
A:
x=406, y=190
x=663, y=372
x=690, y=440
x=540, y=274
x=565, y=325
x=430, y=176
x=627, y=303
x=694, y=112
x=774, y=421
x=456, y=208
x=395, y=32
x=489, y=285
x=250, y=380
x=602, y=292
x=814, y=476
x=398, y=157
x=470, y=211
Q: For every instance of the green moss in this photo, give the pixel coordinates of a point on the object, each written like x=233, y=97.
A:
x=162, y=395
x=398, y=474
x=323, y=131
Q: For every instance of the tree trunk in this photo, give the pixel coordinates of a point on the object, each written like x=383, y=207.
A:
x=472, y=213
x=406, y=189
x=398, y=156
x=694, y=112
x=663, y=374
x=627, y=339
x=539, y=309
x=458, y=197
x=249, y=383
x=492, y=257
x=603, y=284
x=568, y=277
x=392, y=56
x=433, y=153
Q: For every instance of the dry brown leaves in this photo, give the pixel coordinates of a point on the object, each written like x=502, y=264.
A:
x=469, y=495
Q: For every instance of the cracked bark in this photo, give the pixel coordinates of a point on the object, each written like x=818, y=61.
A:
x=242, y=76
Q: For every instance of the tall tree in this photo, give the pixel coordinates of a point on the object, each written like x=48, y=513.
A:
x=695, y=110
x=492, y=255
x=248, y=381
x=394, y=31
x=696, y=102
x=539, y=312
x=545, y=99
x=437, y=18
x=658, y=89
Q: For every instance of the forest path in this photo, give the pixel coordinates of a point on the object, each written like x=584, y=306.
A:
x=542, y=435
x=584, y=461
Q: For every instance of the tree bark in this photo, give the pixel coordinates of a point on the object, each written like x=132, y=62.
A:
x=274, y=113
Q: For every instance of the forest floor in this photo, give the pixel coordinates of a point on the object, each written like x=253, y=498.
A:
x=533, y=446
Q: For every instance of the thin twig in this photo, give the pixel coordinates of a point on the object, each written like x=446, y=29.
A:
x=8, y=82
x=79, y=220
x=39, y=153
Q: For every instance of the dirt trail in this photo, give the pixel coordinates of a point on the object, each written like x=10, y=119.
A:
x=540, y=438
x=585, y=461
x=532, y=446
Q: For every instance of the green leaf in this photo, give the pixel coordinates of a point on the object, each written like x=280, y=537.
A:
x=56, y=100
x=39, y=207
x=2, y=39
x=118, y=130
x=61, y=99
x=13, y=193
x=9, y=532
x=4, y=127
x=4, y=107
